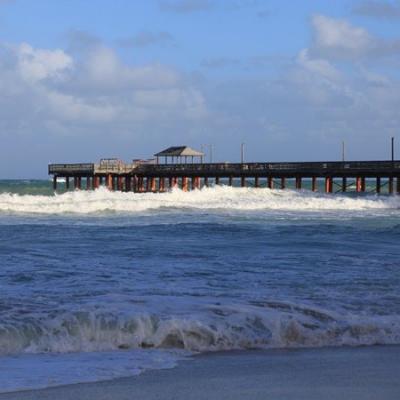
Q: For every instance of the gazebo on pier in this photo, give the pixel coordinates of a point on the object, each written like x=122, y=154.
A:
x=179, y=155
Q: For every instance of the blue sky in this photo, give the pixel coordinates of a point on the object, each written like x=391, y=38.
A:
x=80, y=80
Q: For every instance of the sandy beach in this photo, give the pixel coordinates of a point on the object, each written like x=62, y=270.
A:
x=331, y=373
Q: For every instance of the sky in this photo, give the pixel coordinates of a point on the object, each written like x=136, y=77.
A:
x=82, y=80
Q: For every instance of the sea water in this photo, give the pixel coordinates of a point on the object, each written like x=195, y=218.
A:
x=97, y=285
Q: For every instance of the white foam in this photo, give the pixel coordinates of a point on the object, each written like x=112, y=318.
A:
x=218, y=198
x=211, y=328
x=66, y=369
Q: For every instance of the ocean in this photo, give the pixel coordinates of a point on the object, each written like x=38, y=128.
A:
x=97, y=285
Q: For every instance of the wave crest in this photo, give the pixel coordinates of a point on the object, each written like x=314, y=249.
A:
x=223, y=197
x=217, y=328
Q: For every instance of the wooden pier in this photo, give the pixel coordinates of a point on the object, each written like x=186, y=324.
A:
x=330, y=177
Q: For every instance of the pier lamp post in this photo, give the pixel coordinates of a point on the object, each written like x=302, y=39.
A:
x=343, y=151
x=392, y=148
x=242, y=153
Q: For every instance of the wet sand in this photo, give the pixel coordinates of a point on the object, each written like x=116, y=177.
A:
x=331, y=373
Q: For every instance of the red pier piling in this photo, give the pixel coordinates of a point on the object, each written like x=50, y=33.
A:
x=185, y=183
x=161, y=184
x=328, y=184
x=110, y=185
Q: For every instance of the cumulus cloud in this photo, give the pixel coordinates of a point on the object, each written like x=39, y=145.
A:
x=338, y=38
x=325, y=93
x=37, y=64
x=43, y=88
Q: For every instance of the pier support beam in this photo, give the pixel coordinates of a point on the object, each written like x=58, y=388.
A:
x=358, y=184
x=206, y=181
x=298, y=182
x=128, y=183
x=314, y=187
x=67, y=182
x=328, y=184
x=256, y=182
x=270, y=182
x=217, y=180
x=77, y=182
x=134, y=183
x=398, y=185
x=119, y=183
x=390, y=188
x=109, y=182
x=140, y=187
x=283, y=183
x=344, y=184
x=378, y=184
x=161, y=184
x=153, y=184
x=55, y=182
x=363, y=184
x=243, y=181
x=230, y=181
x=88, y=183
x=185, y=183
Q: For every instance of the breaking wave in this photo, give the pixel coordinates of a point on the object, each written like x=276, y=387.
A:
x=270, y=325
x=223, y=197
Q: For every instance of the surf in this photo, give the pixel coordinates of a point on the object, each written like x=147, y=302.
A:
x=217, y=198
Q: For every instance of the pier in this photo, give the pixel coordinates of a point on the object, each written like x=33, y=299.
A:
x=183, y=172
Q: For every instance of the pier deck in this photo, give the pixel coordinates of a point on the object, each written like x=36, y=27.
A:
x=142, y=177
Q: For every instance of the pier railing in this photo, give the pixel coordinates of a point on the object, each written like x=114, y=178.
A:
x=70, y=169
x=294, y=168
x=269, y=168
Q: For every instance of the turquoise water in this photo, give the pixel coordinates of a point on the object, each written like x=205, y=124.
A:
x=142, y=280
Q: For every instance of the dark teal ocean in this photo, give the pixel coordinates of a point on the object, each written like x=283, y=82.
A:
x=97, y=285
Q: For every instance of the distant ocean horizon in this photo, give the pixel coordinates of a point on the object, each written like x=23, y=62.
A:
x=96, y=284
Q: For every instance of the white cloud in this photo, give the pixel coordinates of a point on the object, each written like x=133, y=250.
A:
x=320, y=67
x=37, y=64
x=54, y=89
x=338, y=37
x=103, y=69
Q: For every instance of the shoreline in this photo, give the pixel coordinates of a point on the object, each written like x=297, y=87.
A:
x=370, y=372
